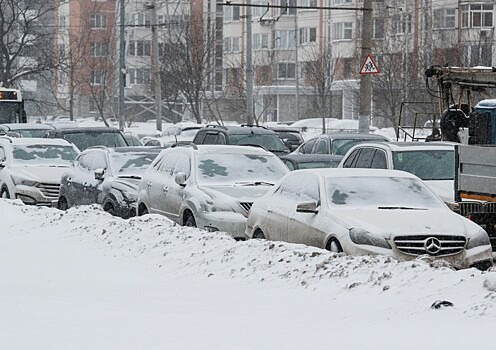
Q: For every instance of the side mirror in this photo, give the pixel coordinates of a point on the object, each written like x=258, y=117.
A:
x=307, y=207
x=180, y=179
x=99, y=174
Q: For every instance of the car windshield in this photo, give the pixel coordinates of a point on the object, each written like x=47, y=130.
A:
x=426, y=164
x=380, y=192
x=270, y=142
x=56, y=155
x=341, y=146
x=224, y=168
x=131, y=163
x=84, y=140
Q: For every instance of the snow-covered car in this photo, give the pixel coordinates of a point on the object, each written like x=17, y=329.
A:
x=433, y=162
x=31, y=168
x=106, y=176
x=367, y=211
x=181, y=132
x=336, y=143
x=25, y=129
x=208, y=186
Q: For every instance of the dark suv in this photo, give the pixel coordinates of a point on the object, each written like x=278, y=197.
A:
x=89, y=137
x=241, y=135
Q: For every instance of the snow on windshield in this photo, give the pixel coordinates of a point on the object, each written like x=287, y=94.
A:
x=426, y=164
x=379, y=192
x=131, y=162
x=224, y=168
x=43, y=154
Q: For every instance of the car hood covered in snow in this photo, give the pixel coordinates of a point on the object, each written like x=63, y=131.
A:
x=395, y=222
x=50, y=174
x=243, y=193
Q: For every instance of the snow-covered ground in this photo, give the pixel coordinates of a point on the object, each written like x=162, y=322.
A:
x=82, y=279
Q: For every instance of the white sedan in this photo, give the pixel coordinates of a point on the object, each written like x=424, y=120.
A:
x=367, y=211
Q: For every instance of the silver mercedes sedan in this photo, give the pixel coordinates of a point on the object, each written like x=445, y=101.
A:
x=367, y=211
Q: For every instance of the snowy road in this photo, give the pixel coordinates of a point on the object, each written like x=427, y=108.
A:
x=85, y=280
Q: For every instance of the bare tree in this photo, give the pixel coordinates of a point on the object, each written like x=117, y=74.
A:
x=320, y=73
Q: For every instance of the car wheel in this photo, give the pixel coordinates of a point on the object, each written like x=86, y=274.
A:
x=143, y=210
x=109, y=208
x=190, y=220
x=5, y=193
x=334, y=246
x=62, y=204
x=259, y=234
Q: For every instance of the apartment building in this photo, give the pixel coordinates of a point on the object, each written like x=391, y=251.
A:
x=408, y=36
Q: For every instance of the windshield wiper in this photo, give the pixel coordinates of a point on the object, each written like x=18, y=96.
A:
x=129, y=177
x=401, y=208
x=255, y=183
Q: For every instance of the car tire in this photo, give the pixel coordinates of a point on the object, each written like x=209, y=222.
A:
x=143, y=210
x=334, y=246
x=190, y=220
x=62, y=204
x=258, y=234
x=5, y=193
x=109, y=208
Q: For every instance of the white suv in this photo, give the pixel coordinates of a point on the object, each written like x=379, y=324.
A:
x=31, y=168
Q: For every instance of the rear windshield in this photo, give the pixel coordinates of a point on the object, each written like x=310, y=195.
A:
x=270, y=142
x=83, y=140
x=426, y=164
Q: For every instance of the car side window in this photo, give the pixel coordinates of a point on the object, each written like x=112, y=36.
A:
x=182, y=164
x=309, y=189
x=307, y=147
x=349, y=161
x=99, y=161
x=210, y=138
x=289, y=164
x=167, y=164
x=290, y=187
x=321, y=147
x=379, y=160
x=365, y=158
x=84, y=161
x=2, y=153
x=221, y=139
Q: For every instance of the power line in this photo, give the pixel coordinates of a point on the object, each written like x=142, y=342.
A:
x=268, y=6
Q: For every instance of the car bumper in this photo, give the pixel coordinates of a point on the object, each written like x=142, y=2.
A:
x=475, y=257
x=34, y=196
x=229, y=222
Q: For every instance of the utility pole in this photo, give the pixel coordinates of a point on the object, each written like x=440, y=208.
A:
x=122, y=66
x=297, y=80
x=365, y=79
x=249, y=66
x=156, y=65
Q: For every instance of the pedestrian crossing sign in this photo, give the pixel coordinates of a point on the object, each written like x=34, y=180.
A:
x=369, y=66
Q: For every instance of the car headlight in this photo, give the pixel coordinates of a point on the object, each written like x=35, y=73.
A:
x=359, y=236
x=17, y=180
x=480, y=238
x=130, y=197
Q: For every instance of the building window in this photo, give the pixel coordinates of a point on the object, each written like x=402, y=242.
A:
x=261, y=41
x=308, y=35
x=402, y=24
x=259, y=11
x=139, y=48
x=308, y=3
x=378, y=28
x=141, y=20
x=98, y=21
x=231, y=13
x=290, y=10
x=99, y=49
x=231, y=44
x=97, y=77
x=343, y=30
x=285, y=39
x=477, y=15
x=340, y=2
x=444, y=18
x=139, y=76
x=286, y=70
x=62, y=22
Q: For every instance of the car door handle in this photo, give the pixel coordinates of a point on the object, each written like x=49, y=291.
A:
x=165, y=189
x=269, y=211
x=149, y=184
